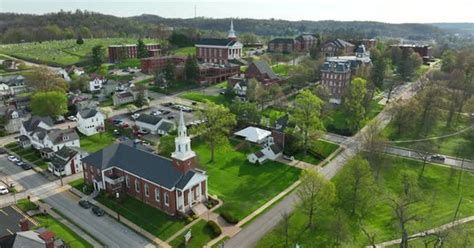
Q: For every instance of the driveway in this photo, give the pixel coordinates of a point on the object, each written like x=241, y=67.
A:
x=10, y=221
x=105, y=229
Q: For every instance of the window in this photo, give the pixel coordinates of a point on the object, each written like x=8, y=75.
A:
x=157, y=194
x=127, y=181
x=167, y=199
x=146, y=190
x=137, y=185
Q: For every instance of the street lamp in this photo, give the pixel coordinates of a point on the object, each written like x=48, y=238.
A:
x=117, y=196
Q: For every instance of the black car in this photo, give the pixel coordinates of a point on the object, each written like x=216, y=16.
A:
x=170, y=117
x=98, y=211
x=85, y=204
x=167, y=104
x=166, y=112
x=26, y=166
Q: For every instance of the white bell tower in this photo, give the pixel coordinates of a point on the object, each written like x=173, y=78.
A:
x=182, y=142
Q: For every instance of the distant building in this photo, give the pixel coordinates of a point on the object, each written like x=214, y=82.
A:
x=336, y=76
x=10, y=64
x=210, y=73
x=120, y=52
x=129, y=95
x=14, y=84
x=301, y=43
x=220, y=51
x=425, y=51
x=258, y=70
x=337, y=47
x=154, y=64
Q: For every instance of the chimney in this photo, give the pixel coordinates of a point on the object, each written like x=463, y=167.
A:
x=48, y=238
x=24, y=225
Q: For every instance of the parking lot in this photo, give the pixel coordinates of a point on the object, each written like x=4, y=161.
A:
x=10, y=220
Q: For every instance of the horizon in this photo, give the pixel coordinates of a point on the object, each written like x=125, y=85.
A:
x=298, y=10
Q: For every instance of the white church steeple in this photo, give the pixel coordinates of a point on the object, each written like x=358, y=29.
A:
x=182, y=142
x=231, y=31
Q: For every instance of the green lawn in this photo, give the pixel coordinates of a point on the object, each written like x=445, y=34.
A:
x=62, y=52
x=457, y=145
x=318, y=152
x=185, y=51
x=29, y=154
x=421, y=70
x=97, y=141
x=60, y=230
x=242, y=186
x=201, y=235
x=281, y=69
x=175, y=87
x=440, y=197
x=200, y=97
x=149, y=218
x=129, y=63
x=335, y=121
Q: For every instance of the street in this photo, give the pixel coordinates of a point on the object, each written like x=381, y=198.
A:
x=105, y=229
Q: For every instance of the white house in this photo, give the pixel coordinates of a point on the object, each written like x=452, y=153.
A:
x=95, y=84
x=40, y=133
x=154, y=124
x=270, y=151
x=254, y=134
x=90, y=121
x=14, y=119
x=66, y=161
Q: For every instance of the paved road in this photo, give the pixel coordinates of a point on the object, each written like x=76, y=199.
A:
x=10, y=221
x=252, y=233
x=105, y=229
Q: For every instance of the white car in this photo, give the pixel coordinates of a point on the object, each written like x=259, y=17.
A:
x=3, y=190
x=135, y=116
x=13, y=158
x=72, y=118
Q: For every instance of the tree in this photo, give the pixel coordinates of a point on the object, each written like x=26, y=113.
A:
x=409, y=63
x=103, y=70
x=131, y=108
x=429, y=101
x=402, y=203
x=52, y=103
x=379, y=68
x=98, y=55
x=356, y=187
x=404, y=115
x=306, y=115
x=315, y=193
x=167, y=145
x=79, y=83
x=285, y=229
x=79, y=40
x=339, y=228
x=374, y=145
x=42, y=79
x=245, y=112
x=168, y=71
x=425, y=149
x=353, y=104
x=106, y=111
x=141, y=100
x=191, y=69
x=219, y=121
x=142, y=52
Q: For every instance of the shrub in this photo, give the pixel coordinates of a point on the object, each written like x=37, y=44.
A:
x=229, y=218
x=216, y=230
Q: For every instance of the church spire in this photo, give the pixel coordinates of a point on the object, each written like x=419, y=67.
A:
x=183, y=156
x=182, y=130
x=231, y=31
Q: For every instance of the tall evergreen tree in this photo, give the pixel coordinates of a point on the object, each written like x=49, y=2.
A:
x=142, y=52
x=191, y=68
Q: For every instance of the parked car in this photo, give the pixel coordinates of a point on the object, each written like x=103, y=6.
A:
x=135, y=116
x=116, y=132
x=143, y=131
x=125, y=125
x=166, y=112
x=438, y=157
x=72, y=118
x=13, y=158
x=117, y=122
x=155, y=113
x=85, y=204
x=26, y=166
x=170, y=117
x=194, y=103
x=167, y=104
x=20, y=163
x=98, y=211
x=3, y=190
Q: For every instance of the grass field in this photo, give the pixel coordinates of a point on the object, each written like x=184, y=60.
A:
x=440, y=197
x=63, y=52
x=458, y=145
x=321, y=149
x=97, y=141
x=185, y=51
x=175, y=87
x=200, y=97
x=241, y=185
x=281, y=69
x=60, y=230
x=149, y=218
x=201, y=235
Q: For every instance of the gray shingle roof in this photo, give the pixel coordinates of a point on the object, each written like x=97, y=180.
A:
x=34, y=121
x=264, y=68
x=58, y=136
x=340, y=43
x=141, y=163
x=149, y=119
x=282, y=40
x=166, y=126
x=216, y=42
x=87, y=113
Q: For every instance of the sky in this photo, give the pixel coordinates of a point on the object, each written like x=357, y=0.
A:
x=393, y=11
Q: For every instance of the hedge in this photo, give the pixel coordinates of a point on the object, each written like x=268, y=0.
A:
x=216, y=230
x=229, y=218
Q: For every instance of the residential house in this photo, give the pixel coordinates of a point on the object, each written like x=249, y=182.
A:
x=337, y=47
x=262, y=72
x=86, y=104
x=40, y=133
x=15, y=83
x=154, y=124
x=10, y=64
x=39, y=238
x=90, y=121
x=66, y=161
x=14, y=119
x=95, y=83
x=74, y=70
x=129, y=95
x=220, y=51
x=304, y=42
x=270, y=151
x=173, y=185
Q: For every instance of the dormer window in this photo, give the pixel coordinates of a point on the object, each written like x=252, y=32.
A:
x=65, y=137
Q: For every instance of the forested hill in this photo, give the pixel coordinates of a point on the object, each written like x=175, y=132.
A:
x=63, y=25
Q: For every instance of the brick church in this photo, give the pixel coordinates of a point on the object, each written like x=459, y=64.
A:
x=173, y=185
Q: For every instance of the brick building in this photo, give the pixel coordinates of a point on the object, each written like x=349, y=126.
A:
x=302, y=43
x=336, y=76
x=219, y=51
x=173, y=185
x=337, y=47
x=210, y=73
x=119, y=52
x=425, y=51
x=153, y=64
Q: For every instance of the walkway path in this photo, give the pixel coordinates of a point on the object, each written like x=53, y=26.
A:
x=428, y=232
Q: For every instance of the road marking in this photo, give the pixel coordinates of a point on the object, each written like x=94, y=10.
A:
x=24, y=215
x=8, y=230
x=3, y=212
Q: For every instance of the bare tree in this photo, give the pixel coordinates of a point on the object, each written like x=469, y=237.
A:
x=374, y=145
x=425, y=150
x=285, y=228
